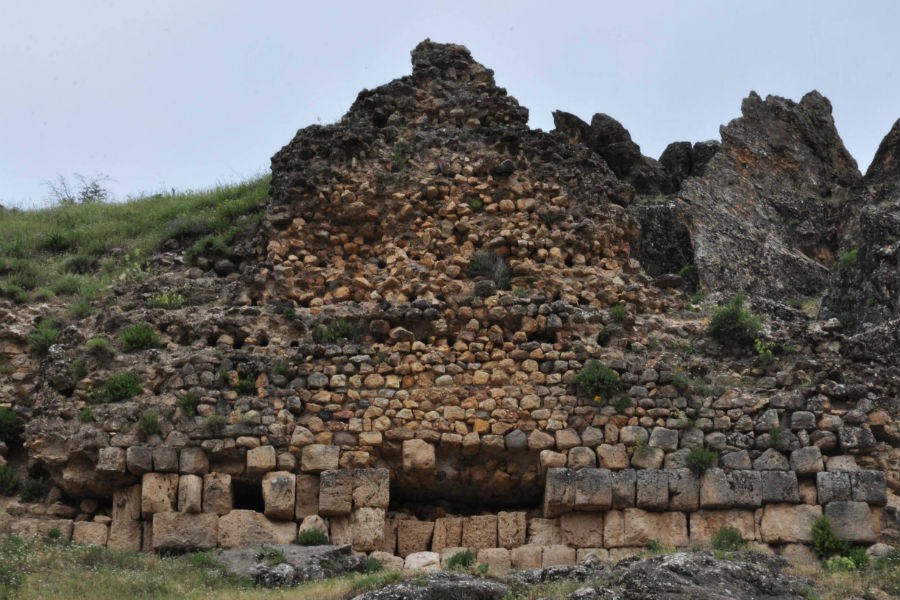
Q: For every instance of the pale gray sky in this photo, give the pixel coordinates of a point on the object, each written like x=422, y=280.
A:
x=187, y=94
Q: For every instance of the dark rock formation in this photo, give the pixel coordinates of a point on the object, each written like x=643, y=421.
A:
x=764, y=218
x=280, y=565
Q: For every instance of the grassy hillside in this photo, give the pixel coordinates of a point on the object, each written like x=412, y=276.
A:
x=74, y=249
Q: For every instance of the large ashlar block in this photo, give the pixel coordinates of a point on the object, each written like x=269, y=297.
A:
x=190, y=493
x=39, y=529
x=833, y=486
x=497, y=559
x=869, y=487
x=320, y=457
x=788, y=523
x=715, y=491
x=706, y=523
x=183, y=532
x=261, y=460
x=447, y=533
x=335, y=493
x=624, y=484
x=111, y=461
x=279, y=490
x=218, y=497
x=684, y=490
x=544, y=532
x=559, y=492
x=125, y=535
x=90, y=533
x=747, y=487
x=371, y=488
x=526, y=557
x=652, y=489
x=593, y=489
x=127, y=503
x=780, y=486
x=423, y=561
x=512, y=529
x=418, y=456
x=159, y=493
x=340, y=531
x=556, y=555
x=250, y=528
x=193, y=460
x=413, y=536
x=480, y=532
x=851, y=521
x=367, y=529
x=306, y=496
x=635, y=527
x=582, y=530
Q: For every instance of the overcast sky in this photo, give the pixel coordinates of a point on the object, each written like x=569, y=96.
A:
x=186, y=94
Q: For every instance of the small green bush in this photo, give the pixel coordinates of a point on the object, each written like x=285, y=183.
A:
x=120, y=386
x=43, y=336
x=859, y=557
x=824, y=542
x=139, y=336
x=9, y=481
x=490, y=265
x=167, y=301
x=475, y=203
x=85, y=415
x=14, y=292
x=336, y=330
x=700, y=460
x=67, y=285
x=889, y=561
x=148, y=424
x=618, y=312
x=461, y=561
x=209, y=246
x=100, y=346
x=32, y=490
x=10, y=425
x=313, y=537
x=848, y=259
x=733, y=325
x=271, y=556
x=81, y=307
x=728, y=539
x=372, y=565
x=80, y=264
x=838, y=563
x=597, y=380
x=79, y=368
x=188, y=403
x=214, y=423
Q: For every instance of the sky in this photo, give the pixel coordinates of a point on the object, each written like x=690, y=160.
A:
x=188, y=94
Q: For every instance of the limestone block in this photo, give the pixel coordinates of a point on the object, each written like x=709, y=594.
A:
x=800, y=555
x=165, y=459
x=652, y=489
x=335, y=493
x=111, y=461
x=306, y=496
x=125, y=535
x=418, y=456
x=669, y=528
x=217, y=494
x=807, y=460
x=841, y=463
x=279, y=490
x=126, y=505
x=559, y=492
x=557, y=555
x=390, y=535
x=746, y=488
x=389, y=562
x=833, y=486
x=248, y=528
x=582, y=530
x=193, y=460
x=139, y=459
x=159, y=493
x=371, y=488
x=423, y=561
x=850, y=521
x=593, y=489
x=614, y=529
x=497, y=559
x=313, y=523
x=526, y=557
x=646, y=457
x=581, y=457
x=665, y=439
x=447, y=533
x=623, y=488
x=480, y=532
x=612, y=456
x=367, y=528
x=540, y=440
x=780, y=486
x=90, y=533
x=39, y=529
x=715, y=491
x=633, y=435
x=544, y=532
x=552, y=460
x=788, y=523
x=261, y=460
x=808, y=493
x=771, y=460
x=320, y=457
x=340, y=531
x=190, y=494
x=684, y=490
x=869, y=487
x=732, y=461
x=183, y=532
x=512, y=529
x=413, y=536
x=704, y=524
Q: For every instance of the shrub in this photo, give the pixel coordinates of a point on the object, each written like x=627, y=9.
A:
x=32, y=490
x=618, y=312
x=67, y=285
x=79, y=368
x=139, y=336
x=889, y=561
x=43, y=336
x=10, y=425
x=734, y=325
x=313, y=537
x=9, y=481
x=81, y=307
x=214, y=423
x=596, y=379
x=167, y=300
x=489, y=264
x=838, y=563
x=475, y=203
x=148, y=424
x=699, y=460
x=85, y=415
x=99, y=346
x=764, y=352
x=14, y=292
x=461, y=561
x=859, y=557
x=372, y=565
x=188, y=403
x=209, y=246
x=728, y=539
x=336, y=330
x=80, y=264
x=120, y=386
x=824, y=542
x=271, y=556
x=848, y=259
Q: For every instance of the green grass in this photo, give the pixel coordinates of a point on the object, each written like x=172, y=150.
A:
x=71, y=246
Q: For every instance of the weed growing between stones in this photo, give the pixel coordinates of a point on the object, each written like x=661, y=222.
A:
x=313, y=537
x=733, y=325
x=700, y=460
x=597, y=380
x=461, y=561
x=148, y=424
x=728, y=539
x=140, y=336
x=120, y=386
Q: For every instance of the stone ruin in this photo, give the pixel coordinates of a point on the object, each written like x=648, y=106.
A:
x=392, y=365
